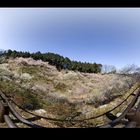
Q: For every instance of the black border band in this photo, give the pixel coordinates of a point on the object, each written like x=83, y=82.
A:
x=69, y=3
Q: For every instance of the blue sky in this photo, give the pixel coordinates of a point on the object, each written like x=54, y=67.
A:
x=103, y=35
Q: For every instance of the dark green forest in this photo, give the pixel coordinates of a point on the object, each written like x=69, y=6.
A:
x=56, y=60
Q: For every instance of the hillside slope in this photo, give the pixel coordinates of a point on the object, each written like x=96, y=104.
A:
x=36, y=85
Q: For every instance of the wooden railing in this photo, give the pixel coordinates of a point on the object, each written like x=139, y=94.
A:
x=131, y=114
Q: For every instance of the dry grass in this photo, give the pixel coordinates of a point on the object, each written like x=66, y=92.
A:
x=64, y=93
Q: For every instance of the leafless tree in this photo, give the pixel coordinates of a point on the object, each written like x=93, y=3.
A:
x=130, y=69
x=108, y=69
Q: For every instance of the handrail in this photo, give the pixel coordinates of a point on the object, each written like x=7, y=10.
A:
x=17, y=115
x=114, y=122
x=91, y=118
x=9, y=103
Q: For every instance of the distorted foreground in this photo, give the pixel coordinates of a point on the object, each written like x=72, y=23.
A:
x=66, y=95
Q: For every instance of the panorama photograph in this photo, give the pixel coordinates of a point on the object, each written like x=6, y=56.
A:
x=69, y=67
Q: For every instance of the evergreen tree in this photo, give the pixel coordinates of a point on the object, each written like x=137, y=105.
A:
x=57, y=60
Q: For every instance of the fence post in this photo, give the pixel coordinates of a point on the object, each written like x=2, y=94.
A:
x=2, y=112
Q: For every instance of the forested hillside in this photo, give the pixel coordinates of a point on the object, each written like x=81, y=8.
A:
x=57, y=60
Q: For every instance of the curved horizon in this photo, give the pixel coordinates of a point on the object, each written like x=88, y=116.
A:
x=102, y=35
